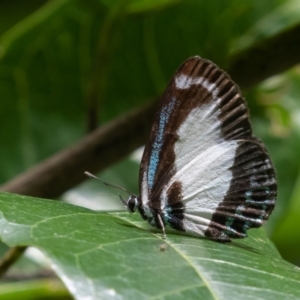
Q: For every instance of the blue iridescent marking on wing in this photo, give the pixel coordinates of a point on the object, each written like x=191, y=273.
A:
x=166, y=214
x=157, y=144
x=229, y=222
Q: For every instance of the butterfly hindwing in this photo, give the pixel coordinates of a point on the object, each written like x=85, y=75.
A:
x=201, y=162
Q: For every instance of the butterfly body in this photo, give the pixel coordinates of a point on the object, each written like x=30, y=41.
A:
x=202, y=171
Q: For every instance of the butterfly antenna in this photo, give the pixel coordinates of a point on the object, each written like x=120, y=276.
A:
x=123, y=201
x=107, y=183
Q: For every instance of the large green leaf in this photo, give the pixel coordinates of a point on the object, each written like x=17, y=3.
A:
x=117, y=256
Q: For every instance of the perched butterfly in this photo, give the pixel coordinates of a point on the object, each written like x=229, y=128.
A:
x=202, y=171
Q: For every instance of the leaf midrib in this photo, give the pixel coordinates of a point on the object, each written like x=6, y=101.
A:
x=186, y=258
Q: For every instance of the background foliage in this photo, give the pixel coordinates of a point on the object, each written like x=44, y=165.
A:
x=68, y=65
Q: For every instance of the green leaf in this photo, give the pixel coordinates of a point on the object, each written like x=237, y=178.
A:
x=278, y=19
x=118, y=256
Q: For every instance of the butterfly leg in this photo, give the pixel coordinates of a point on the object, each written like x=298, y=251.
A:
x=161, y=225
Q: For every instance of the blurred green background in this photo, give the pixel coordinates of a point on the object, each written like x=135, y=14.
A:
x=54, y=53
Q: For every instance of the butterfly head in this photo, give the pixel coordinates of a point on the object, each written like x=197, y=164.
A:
x=132, y=203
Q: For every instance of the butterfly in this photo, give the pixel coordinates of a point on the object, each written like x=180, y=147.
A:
x=202, y=171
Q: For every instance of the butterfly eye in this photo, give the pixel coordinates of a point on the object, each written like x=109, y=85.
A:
x=132, y=204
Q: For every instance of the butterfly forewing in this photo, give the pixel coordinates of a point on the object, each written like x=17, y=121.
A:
x=202, y=170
